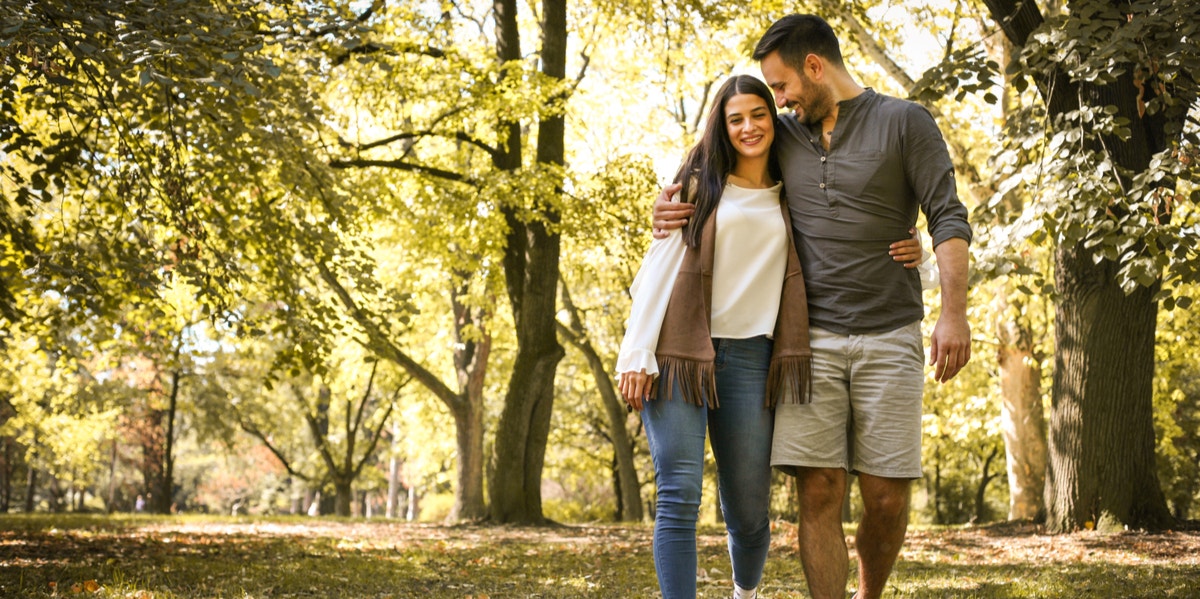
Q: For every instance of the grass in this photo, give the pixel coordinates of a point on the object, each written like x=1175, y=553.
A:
x=152, y=557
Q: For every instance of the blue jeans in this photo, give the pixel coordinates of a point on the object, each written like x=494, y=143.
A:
x=741, y=431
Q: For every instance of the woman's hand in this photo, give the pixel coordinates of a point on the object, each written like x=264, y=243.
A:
x=634, y=387
x=908, y=251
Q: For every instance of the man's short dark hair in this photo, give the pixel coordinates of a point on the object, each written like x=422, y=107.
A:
x=797, y=36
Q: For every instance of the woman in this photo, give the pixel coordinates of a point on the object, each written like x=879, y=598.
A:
x=725, y=332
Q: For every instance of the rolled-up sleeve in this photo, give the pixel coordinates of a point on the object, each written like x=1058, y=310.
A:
x=930, y=172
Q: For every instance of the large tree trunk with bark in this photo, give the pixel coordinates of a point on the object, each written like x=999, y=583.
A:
x=1023, y=420
x=343, y=496
x=1102, y=469
x=531, y=275
x=151, y=439
x=469, y=498
x=1101, y=465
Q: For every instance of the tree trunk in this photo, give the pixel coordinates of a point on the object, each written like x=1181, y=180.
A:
x=985, y=478
x=625, y=477
x=414, y=504
x=149, y=431
x=1023, y=420
x=6, y=475
x=531, y=274
x=344, y=496
x=30, y=488
x=111, y=503
x=1102, y=471
x=393, y=473
x=469, y=500
x=166, y=489
x=470, y=363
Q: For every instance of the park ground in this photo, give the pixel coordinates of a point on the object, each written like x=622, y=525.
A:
x=144, y=557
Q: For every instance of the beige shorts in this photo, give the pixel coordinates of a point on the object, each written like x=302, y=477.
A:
x=865, y=415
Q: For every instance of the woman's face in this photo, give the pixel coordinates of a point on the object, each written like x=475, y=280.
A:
x=749, y=124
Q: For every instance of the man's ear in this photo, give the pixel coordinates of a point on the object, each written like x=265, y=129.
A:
x=814, y=67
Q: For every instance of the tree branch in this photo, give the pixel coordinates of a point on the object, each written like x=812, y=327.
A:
x=381, y=343
x=314, y=427
x=458, y=135
x=404, y=166
x=375, y=435
x=374, y=48
x=254, y=431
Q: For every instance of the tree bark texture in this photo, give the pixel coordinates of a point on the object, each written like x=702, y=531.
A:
x=1102, y=469
x=470, y=363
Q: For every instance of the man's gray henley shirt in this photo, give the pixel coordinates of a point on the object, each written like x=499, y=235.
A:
x=886, y=158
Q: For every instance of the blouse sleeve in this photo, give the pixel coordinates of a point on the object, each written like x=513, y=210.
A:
x=930, y=275
x=651, y=291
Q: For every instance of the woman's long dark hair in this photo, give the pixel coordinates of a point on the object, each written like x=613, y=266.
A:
x=710, y=161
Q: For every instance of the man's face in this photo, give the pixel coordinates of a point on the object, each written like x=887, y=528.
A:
x=810, y=100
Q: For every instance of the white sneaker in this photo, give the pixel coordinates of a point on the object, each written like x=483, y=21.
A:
x=740, y=593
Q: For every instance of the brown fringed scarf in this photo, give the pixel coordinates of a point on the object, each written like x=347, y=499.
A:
x=685, y=350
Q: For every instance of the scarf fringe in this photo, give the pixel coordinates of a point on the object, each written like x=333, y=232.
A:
x=789, y=380
x=697, y=380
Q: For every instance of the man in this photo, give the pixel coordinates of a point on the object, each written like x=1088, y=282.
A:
x=857, y=165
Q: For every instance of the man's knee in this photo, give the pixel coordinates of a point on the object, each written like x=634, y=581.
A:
x=822, y=489
x=885, y=498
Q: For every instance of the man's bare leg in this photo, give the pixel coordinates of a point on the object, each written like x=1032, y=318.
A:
x=881, y=532
x=823, y=550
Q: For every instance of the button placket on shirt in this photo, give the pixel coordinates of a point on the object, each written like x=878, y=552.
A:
x=825, y=176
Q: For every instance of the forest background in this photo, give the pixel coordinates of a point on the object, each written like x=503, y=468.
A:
x=372, y=258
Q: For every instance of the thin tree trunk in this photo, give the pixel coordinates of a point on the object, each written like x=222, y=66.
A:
x=625, y=478
x=414, y=504
x=166, y=490
x=30, y=488
x=1023, y=421
x=469, y=502
x=110, y=505
x=6, y=476
x=394, y=473
x=985, y=478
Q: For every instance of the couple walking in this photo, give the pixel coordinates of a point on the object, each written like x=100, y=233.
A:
x=776, y=311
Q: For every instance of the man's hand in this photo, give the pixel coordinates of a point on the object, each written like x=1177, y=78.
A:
x=949, y=346
x=635, y=387
x=669, y=213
